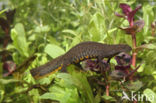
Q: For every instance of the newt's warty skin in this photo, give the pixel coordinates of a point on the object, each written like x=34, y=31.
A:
x=78, y=53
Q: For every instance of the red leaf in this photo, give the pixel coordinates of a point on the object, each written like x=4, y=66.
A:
x=138, y=25
x=10, y=66
x=130, y=30
x=126, y=9
x=131, y=15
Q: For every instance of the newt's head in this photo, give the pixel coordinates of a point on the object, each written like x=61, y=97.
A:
x=124, y=48
x=116, y=49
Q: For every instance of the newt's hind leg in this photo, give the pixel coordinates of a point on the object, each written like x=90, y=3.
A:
x=103, y=66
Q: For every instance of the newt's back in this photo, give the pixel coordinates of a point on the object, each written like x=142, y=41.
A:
x=89, y=49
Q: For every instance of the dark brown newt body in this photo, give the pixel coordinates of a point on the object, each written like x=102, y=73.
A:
x=79, y=53
x=48, y=68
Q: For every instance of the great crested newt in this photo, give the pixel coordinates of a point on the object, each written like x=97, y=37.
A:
x=80, y=52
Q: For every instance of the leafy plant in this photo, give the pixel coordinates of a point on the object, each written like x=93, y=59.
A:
x=43, y=30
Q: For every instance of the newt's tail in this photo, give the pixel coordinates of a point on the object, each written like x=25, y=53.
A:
x=48, y=68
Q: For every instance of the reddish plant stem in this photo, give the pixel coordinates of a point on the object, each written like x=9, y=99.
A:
x=107, y=90
x=134, y=47
x=153, y=32
x=107, y=84
x=134, y=50
x=133, y=56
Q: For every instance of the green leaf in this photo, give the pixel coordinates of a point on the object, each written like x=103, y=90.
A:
x=45, y=81
x=146, y=46
x=70, y=31
x=82, y=84
x=2, y=92
x=97, y=27
x=98, y=96
x=135, y=85
x=7, y=81
x=150, y=95
x=75, y=41
x=63, y=95
x=48, y=96
x=79, y=81
x=109, y=98
x=42, y=29
x=66, y=80
x=148, y=16
x=53, y=50
x=53, y=40
x=141, y=68
x=112, y=30
x=35, y=95
x=2, y=11
x=19, y=39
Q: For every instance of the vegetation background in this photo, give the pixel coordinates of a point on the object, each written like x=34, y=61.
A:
x=45, y=29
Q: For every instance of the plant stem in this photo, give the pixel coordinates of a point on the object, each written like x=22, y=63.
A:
x=133, y=56
x=134, y=50
x=107, y=90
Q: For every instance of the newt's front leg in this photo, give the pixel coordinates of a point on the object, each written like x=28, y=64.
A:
x=101, y=64
x=78, y=65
